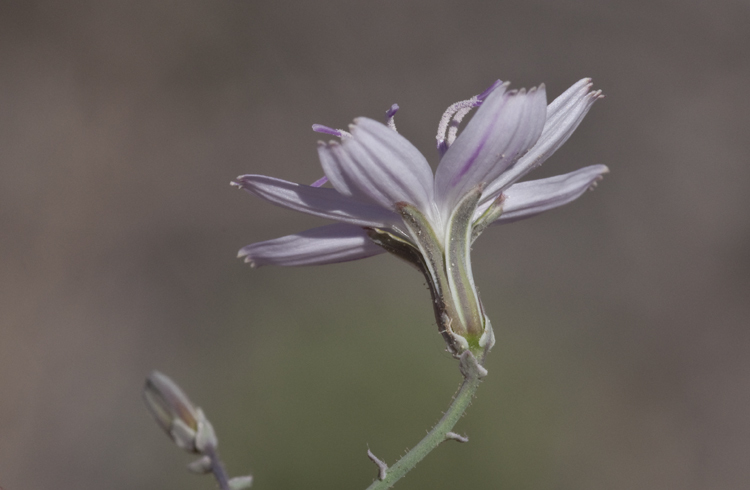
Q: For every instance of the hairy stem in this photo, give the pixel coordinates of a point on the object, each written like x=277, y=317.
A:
x=473, y=373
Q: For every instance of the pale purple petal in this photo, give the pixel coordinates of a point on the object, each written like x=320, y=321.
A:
x=324, y=245
x=378, y=163
x=334, y=164
x=504, y=128
x=564, y=115
x=318, y=201
x=530, y=198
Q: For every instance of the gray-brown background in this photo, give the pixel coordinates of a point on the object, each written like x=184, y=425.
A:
x=622, y=320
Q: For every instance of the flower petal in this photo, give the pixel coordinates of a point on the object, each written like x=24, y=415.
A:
x=318, y=201
x=564, y=115
x=527, y=199
x=324, y=245
x=380, y=164
x=504, y=128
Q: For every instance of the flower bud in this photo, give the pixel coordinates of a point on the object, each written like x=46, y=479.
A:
x=176, y=414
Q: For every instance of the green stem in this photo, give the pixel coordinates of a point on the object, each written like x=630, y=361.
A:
x=473, y=373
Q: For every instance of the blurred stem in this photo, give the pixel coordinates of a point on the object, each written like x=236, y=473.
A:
x=217, y=468
x=472, y=377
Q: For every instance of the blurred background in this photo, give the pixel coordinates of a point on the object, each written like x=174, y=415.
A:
x=622, y=319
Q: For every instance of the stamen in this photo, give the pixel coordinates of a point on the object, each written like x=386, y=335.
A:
x=442, y=144
x=319, y=182
x=389, y=117
x=452, y=117
x=455, y=123
x=340, y=133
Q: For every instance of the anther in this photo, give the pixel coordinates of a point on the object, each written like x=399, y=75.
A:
x=319, y=128
x=319, y=182
x=389, y=117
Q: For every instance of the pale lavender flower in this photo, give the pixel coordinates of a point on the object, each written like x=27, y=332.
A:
x=385, y=197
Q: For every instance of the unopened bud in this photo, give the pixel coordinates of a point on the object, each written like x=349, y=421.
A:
x=176, y=414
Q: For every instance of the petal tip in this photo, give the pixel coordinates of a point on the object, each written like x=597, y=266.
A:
x=245, y=255
x=239, y=182
x=242, y=182
x=598, y=178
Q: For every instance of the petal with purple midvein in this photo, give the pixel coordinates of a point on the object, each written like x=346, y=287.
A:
x=504, y=128
x=318, y=201
x=564, y=115
x=328, y=244
x=530, y=198
x=381, y=164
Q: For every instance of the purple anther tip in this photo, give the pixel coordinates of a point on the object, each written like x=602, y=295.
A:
x=486, y=93
x=442, y=147
x=320, y=181
x=319, y=128
x=392, y=111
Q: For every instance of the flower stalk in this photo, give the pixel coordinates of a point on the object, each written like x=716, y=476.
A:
x=472, y=372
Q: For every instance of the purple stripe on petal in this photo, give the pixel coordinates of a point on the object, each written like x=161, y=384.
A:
x=480, y=98
x=469, y=162
x=504, y=128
